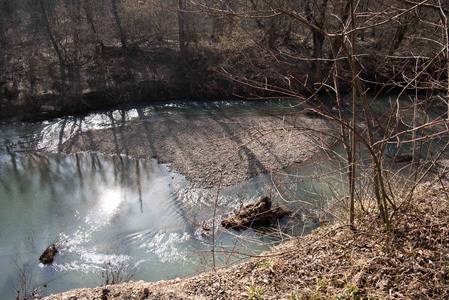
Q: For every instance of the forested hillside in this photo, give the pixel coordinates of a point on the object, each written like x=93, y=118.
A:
x=66, y=56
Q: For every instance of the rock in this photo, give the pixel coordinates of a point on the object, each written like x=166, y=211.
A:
x=48, y=255
x=255, y=213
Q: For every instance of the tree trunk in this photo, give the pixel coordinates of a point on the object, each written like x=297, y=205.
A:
x=74, y=74
x=62, y=62
x=183, y=37
x=398, y=37
x=318, y=38
x=354, y=122
x=119, y=25
x=5, y=12
x=89, y=18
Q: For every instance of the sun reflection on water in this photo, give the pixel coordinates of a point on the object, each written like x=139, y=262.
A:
x=110, y=201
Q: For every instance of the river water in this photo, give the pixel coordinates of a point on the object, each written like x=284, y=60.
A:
x=118, y=212
x=111, y=211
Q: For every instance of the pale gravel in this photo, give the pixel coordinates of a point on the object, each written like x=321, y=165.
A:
x=203, y=148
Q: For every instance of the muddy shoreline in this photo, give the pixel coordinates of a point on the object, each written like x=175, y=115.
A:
x=211, y=151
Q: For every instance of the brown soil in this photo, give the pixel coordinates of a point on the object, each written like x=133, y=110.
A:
x=331, y=263
x=213, y=149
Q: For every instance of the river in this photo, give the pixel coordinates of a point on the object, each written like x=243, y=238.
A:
x=114, y=211
x=107, y=209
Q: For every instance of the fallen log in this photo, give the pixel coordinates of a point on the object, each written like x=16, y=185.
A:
x=255, y=213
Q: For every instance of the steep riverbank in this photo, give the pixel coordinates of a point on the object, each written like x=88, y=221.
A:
x=331, y=263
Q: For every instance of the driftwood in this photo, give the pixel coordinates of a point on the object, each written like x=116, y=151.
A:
x=48, y=255
x=255, y=213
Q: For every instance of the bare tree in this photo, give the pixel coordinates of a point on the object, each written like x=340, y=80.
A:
x=339, y=26
x=24, y=285
x=116, y=272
